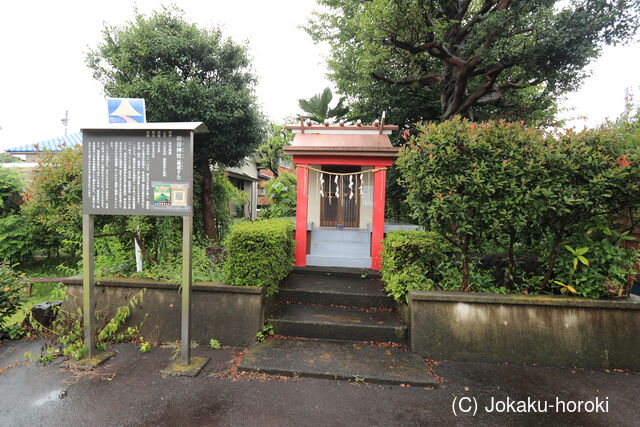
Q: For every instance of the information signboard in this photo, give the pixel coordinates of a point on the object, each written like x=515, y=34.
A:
x=140, y=172
x=138, y=169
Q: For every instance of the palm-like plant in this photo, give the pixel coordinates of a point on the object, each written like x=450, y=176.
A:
x=317, y=107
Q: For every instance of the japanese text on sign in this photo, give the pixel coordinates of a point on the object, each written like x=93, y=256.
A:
x=149, y=173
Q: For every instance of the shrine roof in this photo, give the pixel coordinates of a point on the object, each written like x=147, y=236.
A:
x=342, y=140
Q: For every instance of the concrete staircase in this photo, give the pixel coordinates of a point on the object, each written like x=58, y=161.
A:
x=337, y=325
x=344, y=307
x=340, y=248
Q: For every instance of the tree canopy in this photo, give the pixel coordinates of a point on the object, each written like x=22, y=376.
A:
x=185, y=73
x=476, y=57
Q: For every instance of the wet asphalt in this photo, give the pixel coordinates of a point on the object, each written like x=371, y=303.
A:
x=129, y=390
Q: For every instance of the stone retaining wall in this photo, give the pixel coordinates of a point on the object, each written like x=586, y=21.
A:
x=231, y=314
x=549, y=330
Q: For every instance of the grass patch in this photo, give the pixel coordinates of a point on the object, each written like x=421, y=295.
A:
x=49, y=267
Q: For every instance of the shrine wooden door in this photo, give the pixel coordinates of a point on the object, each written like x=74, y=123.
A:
x=340, y=199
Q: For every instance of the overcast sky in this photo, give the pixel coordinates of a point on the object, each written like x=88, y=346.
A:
x=43, y=72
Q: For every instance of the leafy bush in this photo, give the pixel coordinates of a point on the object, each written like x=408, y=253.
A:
x=480, y=279
x=7, y=158
x=593, y=259
x=11, y=186
x=67, y=331
x=16, y=231
x=464, y=179
x=522, y=190
x=410, y=260
x=225, y=196
x=17, y=238
x=114, y=257
x=53, y=200
x=411, y=277
x=169, y=267
x=259, y=253
x=11, y=293
x=281, y=191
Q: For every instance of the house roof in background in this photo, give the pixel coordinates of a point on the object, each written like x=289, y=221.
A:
x=53, y=144
x=241, y=175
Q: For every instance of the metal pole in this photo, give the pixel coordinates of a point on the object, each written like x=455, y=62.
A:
x=187, y=231
x=88, y=283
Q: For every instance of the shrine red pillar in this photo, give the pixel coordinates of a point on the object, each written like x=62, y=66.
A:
x=377, y=233
x=302, y=203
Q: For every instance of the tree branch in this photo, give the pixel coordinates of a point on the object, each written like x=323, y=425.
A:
x=496, y=95
x=484, y=70
x=476, y=18
x=427, y=18
x=491, y=98
x=462, y=10
x=490, y=79
x=427, y=79
x=433, y=48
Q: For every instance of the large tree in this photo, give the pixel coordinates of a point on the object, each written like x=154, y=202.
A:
x=477, y=57
x=185, y=73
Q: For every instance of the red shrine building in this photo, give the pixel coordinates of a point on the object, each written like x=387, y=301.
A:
x=341, y=174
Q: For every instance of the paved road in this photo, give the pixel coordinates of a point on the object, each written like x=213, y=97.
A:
x=129, y=390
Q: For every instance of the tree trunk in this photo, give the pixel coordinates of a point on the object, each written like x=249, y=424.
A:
x=447, y=88
x=465, y=264
x=206, y=200
x=275, y=171
x=512, y=262
x=452, y=99
x=552, y=260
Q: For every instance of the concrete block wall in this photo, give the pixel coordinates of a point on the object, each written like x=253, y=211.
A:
x=548, y=330
x=231, y=314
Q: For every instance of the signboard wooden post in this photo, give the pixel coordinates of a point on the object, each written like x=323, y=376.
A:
x=138, y=169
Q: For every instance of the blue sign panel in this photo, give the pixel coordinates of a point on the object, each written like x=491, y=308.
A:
x=126, y=110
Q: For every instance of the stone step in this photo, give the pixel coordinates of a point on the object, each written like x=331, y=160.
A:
x=336, y=360
x=339, y=261
x=337, y=290
x=338, y=272
x=338, y=323
x=332, y=235
x=346, y=249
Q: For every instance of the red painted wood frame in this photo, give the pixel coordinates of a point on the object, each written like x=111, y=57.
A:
x=379, y=189
x=343, y=160
x=302, y=204
x=377, y=229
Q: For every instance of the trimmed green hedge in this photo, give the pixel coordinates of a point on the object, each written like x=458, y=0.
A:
x=410, y=260
x=259, y=253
